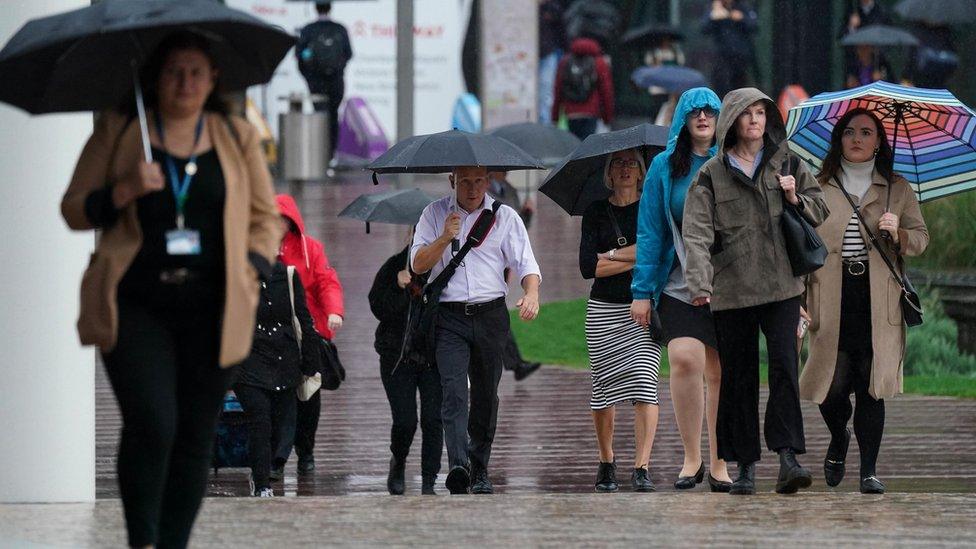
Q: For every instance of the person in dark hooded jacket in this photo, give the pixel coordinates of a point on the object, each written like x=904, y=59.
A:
x=267, y=379
x=389, y=300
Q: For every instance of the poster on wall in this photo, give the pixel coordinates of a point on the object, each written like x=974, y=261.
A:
x=371, y=74
x=509, y=62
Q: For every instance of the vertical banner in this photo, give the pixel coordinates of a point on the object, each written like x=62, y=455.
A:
x=371, y=74
x=509, y=62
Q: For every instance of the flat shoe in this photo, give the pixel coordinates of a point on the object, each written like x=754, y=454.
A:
x=687, y=483
x=716, y=485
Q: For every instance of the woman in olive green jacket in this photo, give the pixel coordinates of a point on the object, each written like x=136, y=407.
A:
x=737, y=264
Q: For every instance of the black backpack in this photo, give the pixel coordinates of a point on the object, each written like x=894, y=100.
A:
x=579, y=78
x=324, y=53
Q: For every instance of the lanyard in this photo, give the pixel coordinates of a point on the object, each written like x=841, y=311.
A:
x=181, y=189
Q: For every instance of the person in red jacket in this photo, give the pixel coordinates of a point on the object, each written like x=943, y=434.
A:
x=584, y=88
x=323, y=292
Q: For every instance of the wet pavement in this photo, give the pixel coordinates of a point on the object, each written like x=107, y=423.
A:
x=545, y=439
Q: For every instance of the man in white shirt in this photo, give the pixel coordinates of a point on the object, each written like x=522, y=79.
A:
x=472, y=321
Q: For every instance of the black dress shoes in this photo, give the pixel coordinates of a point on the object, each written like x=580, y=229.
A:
x=306, y=464
x=526, y=369
x=792, y=476
x=687, y=483
x=395, y=480
x=640, y=482
x=427, y=485
x=606, y=477
x=457, y=480
x=745, y=484
x=871, y=485
x=716, y=485
x=834, y=462
x=480, y=483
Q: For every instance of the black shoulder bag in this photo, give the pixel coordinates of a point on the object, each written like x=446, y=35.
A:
x=418, y=339
x=804, y=247
x=911, y=305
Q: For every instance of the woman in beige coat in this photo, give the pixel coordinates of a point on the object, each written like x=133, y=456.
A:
x=170, y=293
x=857, y=335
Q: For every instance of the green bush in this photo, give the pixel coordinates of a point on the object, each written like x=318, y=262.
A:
x=952, y=233
x=931, y=348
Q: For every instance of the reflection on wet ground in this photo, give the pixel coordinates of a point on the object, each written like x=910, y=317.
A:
x=545, y=439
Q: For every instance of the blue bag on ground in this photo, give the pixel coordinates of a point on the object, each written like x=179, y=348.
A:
x=230, y=445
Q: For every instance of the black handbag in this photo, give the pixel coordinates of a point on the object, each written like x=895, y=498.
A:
x=333, y=374
x=804, y=247
x=911, y=305
x=418, y=338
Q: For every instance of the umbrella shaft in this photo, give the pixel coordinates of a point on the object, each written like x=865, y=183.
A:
x=141, y=109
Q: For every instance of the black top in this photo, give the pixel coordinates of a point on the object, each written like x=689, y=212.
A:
x=598, y=236
x=275, y=362
x=390, y=304
x=204, y=212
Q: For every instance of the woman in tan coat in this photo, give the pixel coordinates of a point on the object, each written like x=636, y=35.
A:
x=170, y=293
x=857, y=335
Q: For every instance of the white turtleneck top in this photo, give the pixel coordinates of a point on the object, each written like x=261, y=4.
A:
x=856, y=179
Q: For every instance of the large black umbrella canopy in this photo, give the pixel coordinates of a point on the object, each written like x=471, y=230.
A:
x=648, y=34
x=444, y=151
x=397, y=207
x=879, y=35
x=83, y=59
x=578, y=180
x=548, y=144
x=938, y=12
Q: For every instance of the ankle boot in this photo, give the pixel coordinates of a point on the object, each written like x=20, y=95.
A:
x=427, y=485
x=395, y=481
x=792, y=476
x=745, y=484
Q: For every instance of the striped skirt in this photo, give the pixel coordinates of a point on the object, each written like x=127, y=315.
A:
x=624, y=360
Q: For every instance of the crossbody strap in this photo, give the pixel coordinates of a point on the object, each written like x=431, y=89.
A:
x=442, y=278
x=871, y=236
x=291, y=298
x=621, y=239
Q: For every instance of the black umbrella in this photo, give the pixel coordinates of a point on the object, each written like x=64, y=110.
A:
x=938, y=12
x=671, y=78
x=398, y=207
x=879, y=35
x=578, y=180
x=444, y=151
x=650, y=33
x=87, y=59
x=547, y=143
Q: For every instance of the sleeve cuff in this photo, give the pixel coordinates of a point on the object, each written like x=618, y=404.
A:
x=640, y=295
x=99, y=209
x=260, y=264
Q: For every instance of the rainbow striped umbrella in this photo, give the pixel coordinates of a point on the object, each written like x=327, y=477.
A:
x=932, y=133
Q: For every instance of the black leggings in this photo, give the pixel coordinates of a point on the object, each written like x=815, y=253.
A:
x=267, y=411
x=401, y=388
x=165, y=375
x=853, y=374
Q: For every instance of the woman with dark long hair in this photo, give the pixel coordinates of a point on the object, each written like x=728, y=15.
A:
x=857, y=335
x=659, y=281
x=170, y=293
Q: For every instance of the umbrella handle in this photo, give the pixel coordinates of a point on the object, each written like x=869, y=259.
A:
x=141, y=109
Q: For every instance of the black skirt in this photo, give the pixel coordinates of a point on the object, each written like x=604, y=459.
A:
x=682, y=319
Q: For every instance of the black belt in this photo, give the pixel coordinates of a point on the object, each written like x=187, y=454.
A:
x=855, y=268
x=178, y=276
x=472, y=309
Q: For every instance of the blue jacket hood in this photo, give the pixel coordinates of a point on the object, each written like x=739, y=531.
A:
x=690, y=100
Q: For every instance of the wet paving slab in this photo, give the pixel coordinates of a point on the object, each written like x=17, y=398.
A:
x=545, y=441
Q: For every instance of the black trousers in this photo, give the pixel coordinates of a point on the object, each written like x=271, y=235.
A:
x=301, y=426
x=333, y=90
x=852, y=374
x=737, y=428
x=470, y=346
x=513, y=356
x=401, y=388
x=582, y=127
x=267, y=413
x=165, y=375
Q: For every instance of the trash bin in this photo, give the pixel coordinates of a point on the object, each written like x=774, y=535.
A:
x=304, y=142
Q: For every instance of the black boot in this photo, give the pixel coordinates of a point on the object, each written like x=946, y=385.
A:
x=457, y=480
x=871, y=485
x=745, y=484
x=792, y=476
x=480, y=483
x=606, y=477
x=834, y=462
x=526, y=369
x=640, y=482
x=427, y=485
x=395, y=481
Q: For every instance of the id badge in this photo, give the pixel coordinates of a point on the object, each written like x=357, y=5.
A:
x=183, y=242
